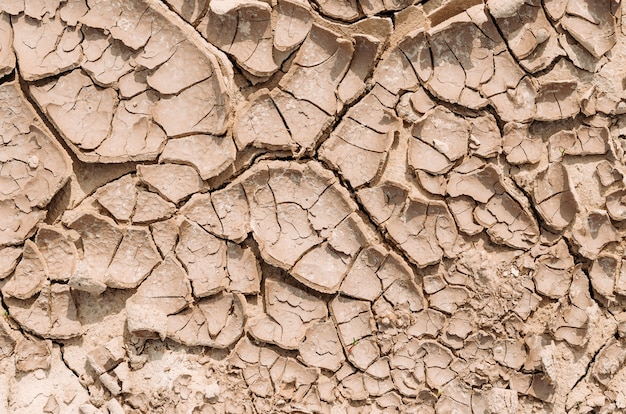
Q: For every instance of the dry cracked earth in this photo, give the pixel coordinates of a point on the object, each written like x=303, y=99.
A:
x=325, y=206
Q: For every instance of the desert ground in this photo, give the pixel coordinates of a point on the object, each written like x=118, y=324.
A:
x=324, y=206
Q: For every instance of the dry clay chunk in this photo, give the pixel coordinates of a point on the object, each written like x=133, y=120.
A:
x=34, y=166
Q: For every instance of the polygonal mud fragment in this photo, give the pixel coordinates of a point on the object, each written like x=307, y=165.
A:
x=322, y=268
x=321, y=347
x=243, y=269
x=604, y=273
x=554, y=198
x=118, y=197
x=553, y=273
x=510, y=353
x=204, y=257
x=100, y=238
x=134, y=259
x=216, y=321
x=293, y=24
x=289, y=311
x=441, y=138
x=338, y=9
x=607, y=173
x=362, y=281
x=30, y=274
x=462, y=208
x=424, y=229
x=164, y=292
x=9, y=257
x=449, y=299
x=428, y=322
x=584, y=140
x=520, y=146
x=165, y=235
x=174, y=182
x=616, y=205
x=609, y=361
x=51, y=315
x=355, y=324
x=208, y=154
x=151, y=207
x=34, y=166
x=593, y=232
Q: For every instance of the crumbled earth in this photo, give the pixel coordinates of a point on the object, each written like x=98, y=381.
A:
x=324, y=206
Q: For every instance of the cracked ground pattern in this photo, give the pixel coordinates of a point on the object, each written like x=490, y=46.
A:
x=325, y=206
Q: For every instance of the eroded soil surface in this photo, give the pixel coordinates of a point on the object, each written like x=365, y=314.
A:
x=325, y=206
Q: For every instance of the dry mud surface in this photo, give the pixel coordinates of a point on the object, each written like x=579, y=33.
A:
x=334, y=206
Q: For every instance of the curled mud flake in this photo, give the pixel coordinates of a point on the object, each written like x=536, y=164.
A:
x=480, y=184
x=134, y=259
x=151, y=207
x=593, y=232
x=289, y=311
x=555, y=200
x=217, y=322
x=318, y=69
x=609, y=361
x=7, y=56
x=462, y=208
x=100, y=238
x=515, y=103
x=355, y=324
x=166, y=291
x=243, y=269
x=81, y=111
x=293, y=25
x=208, y=154
x=553, y=273
x=30, y=274
x=608, y=174
x=484, y=139
x=321, y=347
x=571, y=325
x=616, y=205
x=52, y=314
x=536, y=385
x=189, y=10
x=118, y=197
x=604, y=273
x=346, y=10
x=529, y=34
x=353, y=83
x=9, y=257
x=204, y=257
x=592, y=24
x=174, y=182
x=45, y=48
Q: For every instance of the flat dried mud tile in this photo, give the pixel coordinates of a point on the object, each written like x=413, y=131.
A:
x=217, y=322
x=9, y=257
x=321, y=347
x=7, y=56
x=593, y=232
x=151, y=207
x=584, y=140
x=134, y=259
x=174, y=182
x=32, y=354
x=243, y=270
x=520, y=146
x=362, y=282
x=510, y=353
x=428, y=322
x=8, y=339
x=100, y=238
x=462, y=208
x=166, y=291
x=553, y=273
x=592, y=24
x=365, y=54
x=189, y=10
x=529, y=34
x=480, y=185
x=208, y=154
x=449, y=299
x=293, y=24
x=52, y=314
x=608, y=174
x=81, y=111
x=106, y=67
x=118, y=197
x=204, y=258
x=30, y=274
x=554, y=198
x=45, y=47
